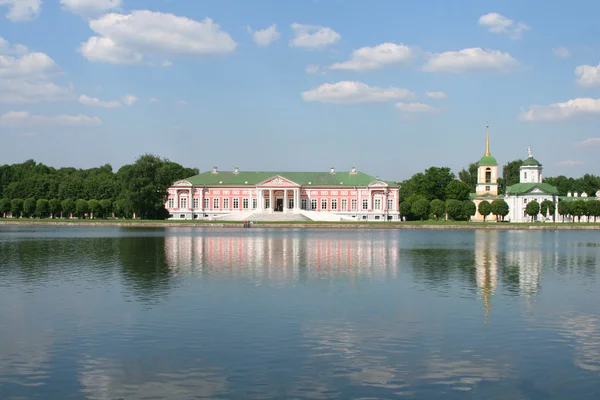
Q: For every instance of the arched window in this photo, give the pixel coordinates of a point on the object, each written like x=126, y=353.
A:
x=488, y=175
x=525, y=175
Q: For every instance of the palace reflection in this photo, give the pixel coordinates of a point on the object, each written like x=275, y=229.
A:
x=287, y=256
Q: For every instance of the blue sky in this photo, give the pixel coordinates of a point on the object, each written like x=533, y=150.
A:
x=391, y=87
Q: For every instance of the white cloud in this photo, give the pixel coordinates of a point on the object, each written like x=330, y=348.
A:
x=182, y=103
x=561, y=52
x=415, y=108
x=347, y=92
x=152, y=100
x=143, y=34
x=313, y=37
x=88, y=8
x=129, y=99
x=369, y=58
x=590, y=142
x=588, y=75
x=312, y=69
x=27, y=78
x=469, y=60
x=24, y=119
x=265, y=37
x=570, y=163
x=498, y=23
x=22, y=10
x=575, y=108
x=436, y=95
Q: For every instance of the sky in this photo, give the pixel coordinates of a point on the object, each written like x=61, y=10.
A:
x=390, y=87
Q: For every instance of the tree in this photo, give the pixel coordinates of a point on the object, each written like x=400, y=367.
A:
x=16, y=207
x=420, y=209
x=4, y=207
x=430, y=184
x=106, y=206
x=68, y=207
x=457, y=190
x=532, y=209
x=95, y=208
x=55, y=207
x=468, y=209
x=500, y=208
x=469, y=175
x=511, y=174
x=485, y=209
x=81, y=208
x=564, y=209
x=454, y=209
x=122, y=209
x=593, y=207
x=29, y=207
x=42, y=208
x=547, y=207
x=437, y=208
x=578, y=208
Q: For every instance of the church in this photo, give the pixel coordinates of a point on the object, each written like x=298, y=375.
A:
x=530, y=187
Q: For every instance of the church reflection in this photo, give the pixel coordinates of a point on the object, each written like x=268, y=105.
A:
x=288, y=256
x=486, y=266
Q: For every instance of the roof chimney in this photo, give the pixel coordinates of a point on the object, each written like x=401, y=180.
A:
x=236, y=170
x=332, y=171
x=215, y=170
x=353, y=171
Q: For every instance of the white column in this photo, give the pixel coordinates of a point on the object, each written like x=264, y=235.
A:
x=285, y=200
x=271, y=202
x=297, y=200
x=201, y=201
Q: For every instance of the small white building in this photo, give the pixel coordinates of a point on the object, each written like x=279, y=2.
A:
x=530, y=188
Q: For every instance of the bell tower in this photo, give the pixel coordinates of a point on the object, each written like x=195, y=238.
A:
x=487, y=170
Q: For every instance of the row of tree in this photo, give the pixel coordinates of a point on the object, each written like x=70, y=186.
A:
x=33, y=189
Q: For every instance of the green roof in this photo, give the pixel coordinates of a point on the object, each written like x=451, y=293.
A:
x=252, y=178
x=532, y=162
x=488, y=160
x=521, y=188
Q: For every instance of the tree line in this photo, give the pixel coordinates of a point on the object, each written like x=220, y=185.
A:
x=33, y=189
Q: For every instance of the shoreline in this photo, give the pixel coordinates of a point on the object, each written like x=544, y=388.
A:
x=302, y=225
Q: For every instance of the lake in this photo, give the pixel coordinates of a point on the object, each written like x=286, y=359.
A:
x=186, y=313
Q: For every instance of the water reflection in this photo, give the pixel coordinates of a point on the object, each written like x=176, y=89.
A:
x=486, y=266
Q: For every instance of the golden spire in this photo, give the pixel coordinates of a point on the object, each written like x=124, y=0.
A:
x=487, y=141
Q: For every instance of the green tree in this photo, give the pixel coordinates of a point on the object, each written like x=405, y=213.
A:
x=578, y=208
x=468, y=209
x=511, y=174
x=593, y=207
x=106, y=206
x=55, y=207
x=564, y=209
x=16, y=207
x=485, y=209
x=457, y=190
x=95, y=208
x=81, y=208
x=532, y=209
x=29, y=207
x=430, y=184
x=42, y=208
x=454, y=209
x=405, y=209
x=4, y=207
x=68, y=207
x=469, y=176
x=420, y=209
x=500, y=208
x=438, y=208
x=547, y=207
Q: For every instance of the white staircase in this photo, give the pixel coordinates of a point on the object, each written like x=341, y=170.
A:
x=277, y=217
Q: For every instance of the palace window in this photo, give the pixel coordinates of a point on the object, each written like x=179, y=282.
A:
x=216, y=204
x=390, y=204
x=170, y=203
x=206, y=203
x=290, y=202
x=195, y=203
x=313, y=204
x=378, y=204
x=323, y=204
x=354, y=204
x=245, y=203
x=183, y=202
x=334, y=204
x=525, y=175
x=225, y=204
x=365, y=204
x=344, y=204
x=254, y=204
x=304, y=204
x=488, y=175
x=267, y=203
x=487, y=188
x=236, y=203
x=525, y=201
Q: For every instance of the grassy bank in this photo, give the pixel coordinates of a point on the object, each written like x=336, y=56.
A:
x=306, y=224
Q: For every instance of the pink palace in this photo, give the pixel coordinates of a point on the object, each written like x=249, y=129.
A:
x=293, y=196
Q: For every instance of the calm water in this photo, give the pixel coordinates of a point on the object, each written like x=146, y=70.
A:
x=115, y=313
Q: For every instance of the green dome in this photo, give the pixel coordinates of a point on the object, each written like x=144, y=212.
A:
x=532, y=162
x=488, y=160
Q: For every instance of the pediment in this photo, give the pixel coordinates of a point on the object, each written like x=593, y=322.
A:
x=182, y=183
x=378, y=184
x=278, y=181
x=536, y=190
